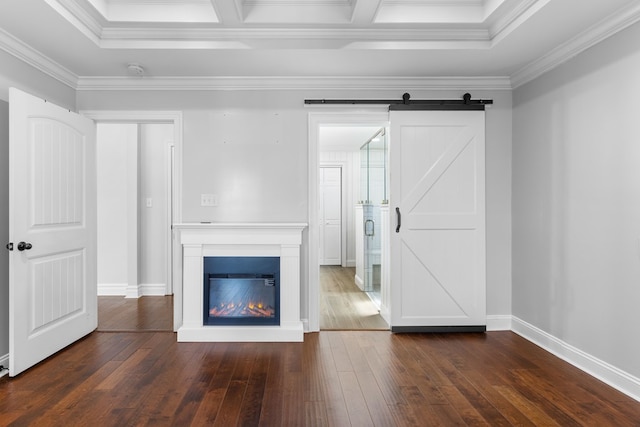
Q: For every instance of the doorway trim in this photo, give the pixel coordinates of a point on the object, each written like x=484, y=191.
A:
x=175, y=118
x=370, y=116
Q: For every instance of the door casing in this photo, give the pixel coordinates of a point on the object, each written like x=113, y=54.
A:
x=175, y=117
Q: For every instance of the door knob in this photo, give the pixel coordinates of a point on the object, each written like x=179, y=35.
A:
x=9, y=246
x=24, y=246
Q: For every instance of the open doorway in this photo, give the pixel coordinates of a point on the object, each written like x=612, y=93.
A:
x=135, y=214
x=352, y=189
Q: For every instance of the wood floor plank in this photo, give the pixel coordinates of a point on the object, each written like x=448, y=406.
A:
x=314, y=379
x=205, y=400
x=315, y=414
x=425, y=414
x=376, y=404
x=536, y=414
x=330, y=391
x=488, y=389
x=251, y=406
x=340, y=354
x=230, y=409
x=271, y=414
x=541, y=401
x=354, y=399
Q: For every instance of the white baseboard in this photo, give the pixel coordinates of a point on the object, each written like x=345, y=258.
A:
x=153, y=289
x=351, y=263
x=305, y=325
x=133, y=291
x=4, y=361
x=616, y=378
x=112, y=289
x=499, y=322
x=359, y=282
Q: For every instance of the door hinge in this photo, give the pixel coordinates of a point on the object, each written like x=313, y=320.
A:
x=9, y=246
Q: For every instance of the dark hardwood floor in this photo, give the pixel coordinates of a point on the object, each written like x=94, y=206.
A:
x=149, y=313
x=334, y=378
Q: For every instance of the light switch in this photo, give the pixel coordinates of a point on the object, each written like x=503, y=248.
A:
x=149, y=202
x=208, y=200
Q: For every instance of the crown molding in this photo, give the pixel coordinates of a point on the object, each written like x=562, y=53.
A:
x=514, y=18
x=292, y=83
x=27, y=54
x=583, y=41
x=87, y=23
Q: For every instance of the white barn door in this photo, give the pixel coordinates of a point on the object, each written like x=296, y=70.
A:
x=437, y=238
x=52, y=285
x=330, y=179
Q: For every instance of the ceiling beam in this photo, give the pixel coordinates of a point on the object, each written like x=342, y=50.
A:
x=229, y=12
x=364, y=11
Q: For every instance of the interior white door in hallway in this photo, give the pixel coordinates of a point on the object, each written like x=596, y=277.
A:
x=330, y=179
x=437, y=195
x=52, y=285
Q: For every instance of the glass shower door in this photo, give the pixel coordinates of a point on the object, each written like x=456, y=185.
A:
x=373, y=155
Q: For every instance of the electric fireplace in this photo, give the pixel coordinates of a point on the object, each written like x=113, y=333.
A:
x=205, y=250
x=241, y=291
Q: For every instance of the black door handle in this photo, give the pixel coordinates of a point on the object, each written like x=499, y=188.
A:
x=24, y=246
x=398, y=220
x=9, y=246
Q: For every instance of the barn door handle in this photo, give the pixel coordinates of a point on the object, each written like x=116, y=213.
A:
x=24, y=246
x=398, y=220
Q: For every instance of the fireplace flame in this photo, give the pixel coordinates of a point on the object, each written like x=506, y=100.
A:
x=251, y=309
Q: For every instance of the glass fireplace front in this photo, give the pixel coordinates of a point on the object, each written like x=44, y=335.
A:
x=242, y=291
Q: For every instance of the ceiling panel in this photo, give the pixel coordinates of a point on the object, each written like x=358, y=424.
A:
x=157, y=11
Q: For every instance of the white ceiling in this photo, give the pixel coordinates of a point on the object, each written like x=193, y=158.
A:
x=210, y=44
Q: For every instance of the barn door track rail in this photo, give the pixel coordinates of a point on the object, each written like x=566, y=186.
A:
x=406, y=103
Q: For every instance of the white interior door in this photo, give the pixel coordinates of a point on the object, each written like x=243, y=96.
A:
x=330, y=215
x=438, y=251
x=52, y=287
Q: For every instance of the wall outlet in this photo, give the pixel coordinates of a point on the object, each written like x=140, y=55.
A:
x=208, y=200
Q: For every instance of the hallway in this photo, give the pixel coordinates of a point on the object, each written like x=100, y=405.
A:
x=342, y=305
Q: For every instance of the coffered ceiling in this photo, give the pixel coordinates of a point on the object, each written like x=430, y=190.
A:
x=190, y=44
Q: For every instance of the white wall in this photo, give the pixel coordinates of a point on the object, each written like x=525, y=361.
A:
x=576, y=202
x=254, y=160
x=117, y=159
x=251, y=149
x=4, y=230
x=154, y=219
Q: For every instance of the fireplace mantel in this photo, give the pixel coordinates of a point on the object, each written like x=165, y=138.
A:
x=199, y=240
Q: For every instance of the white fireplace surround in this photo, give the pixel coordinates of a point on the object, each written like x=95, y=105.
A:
x=240, y=239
